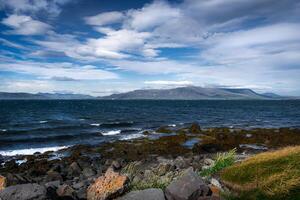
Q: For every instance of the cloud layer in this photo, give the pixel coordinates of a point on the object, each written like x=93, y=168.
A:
x=252, y=44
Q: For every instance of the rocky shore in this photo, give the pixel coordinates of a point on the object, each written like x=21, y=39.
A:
x=165, y=164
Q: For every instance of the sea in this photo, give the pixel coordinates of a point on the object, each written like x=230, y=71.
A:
x=28, y=126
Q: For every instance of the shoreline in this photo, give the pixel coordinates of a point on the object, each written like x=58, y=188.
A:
x=186, y=147
x=141, y=134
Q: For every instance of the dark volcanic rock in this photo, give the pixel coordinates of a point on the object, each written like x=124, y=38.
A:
x=24, y=192
x=188, y=187
x=148, y=194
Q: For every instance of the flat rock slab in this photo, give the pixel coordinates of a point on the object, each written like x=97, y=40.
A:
x=148, y=194
x=24, y=192
x=188, y=187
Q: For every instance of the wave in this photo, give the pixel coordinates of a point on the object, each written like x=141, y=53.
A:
x=3, y=130
x=31, y=151
x=114, y=132
x=95, y=124
x=117, y=124
x=43, y=122
x=130, y=130
x=132, y=136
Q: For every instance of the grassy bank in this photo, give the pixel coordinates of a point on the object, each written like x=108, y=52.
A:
x=270, y=175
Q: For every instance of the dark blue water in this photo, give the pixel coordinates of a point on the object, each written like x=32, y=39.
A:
x=39, y=123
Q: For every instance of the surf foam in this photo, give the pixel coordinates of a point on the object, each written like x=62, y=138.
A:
x=114, y=132
x=31, y=151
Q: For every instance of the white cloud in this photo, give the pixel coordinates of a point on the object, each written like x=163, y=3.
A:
x=151, y=15
x=105, y=18
x=52, y=7
x=116, y=44
x=58, y=71
x=164, y=82
x=25, y=25
x=31, y=86
x=11, y=44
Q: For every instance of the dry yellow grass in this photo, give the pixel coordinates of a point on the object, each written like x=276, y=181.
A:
x=273, y=174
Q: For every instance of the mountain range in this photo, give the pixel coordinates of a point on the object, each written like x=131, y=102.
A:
x=22, y=95
x=193, y=93
x=180, y=93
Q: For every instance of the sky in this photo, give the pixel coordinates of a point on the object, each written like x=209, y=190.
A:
x=100, y=47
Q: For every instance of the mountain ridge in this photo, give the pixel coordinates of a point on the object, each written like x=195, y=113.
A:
x=179, y=93
x=191, y=93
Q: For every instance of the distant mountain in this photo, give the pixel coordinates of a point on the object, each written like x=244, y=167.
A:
x=272, y=95
x=191, y=93
x=9, y=95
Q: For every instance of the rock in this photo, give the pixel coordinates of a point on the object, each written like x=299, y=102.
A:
x=75, y=169
x=81, y=194
x=53, y=176
x=24, y=192
x=116, y=165
x=109, y=186
x=148, y=194
x=180, y=163
x=79, y=185
x=163, y=168
x=216, y=183
x=66, y=191
x=51, y=188
x=215, y=191
x=52, y=184
x=84, y=162
x=209, y=161
x=163, y=129
x=188, y=187
x=195, y=128
x=11, y=165
x=14, y=179
x=88, y=172
x=209, y=198
x=3, y=182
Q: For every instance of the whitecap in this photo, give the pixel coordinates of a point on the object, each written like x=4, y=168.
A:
x=43, y=122
x=132, y=136
x=172, y=125
x=114, y=132
x=19, y=162
x=95, y=124
x=31, y=151
x=3, y=130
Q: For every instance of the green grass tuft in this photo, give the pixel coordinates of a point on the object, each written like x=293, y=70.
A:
x=270, y=175
x=222, y=160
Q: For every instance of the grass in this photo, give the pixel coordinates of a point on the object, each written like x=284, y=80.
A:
x=222, y=160
x=270, y=175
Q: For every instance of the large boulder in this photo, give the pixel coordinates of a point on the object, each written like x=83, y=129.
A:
x=148, y=194
x=3, y=182
x=109, y=186
x=24, y=192
x=188, y=187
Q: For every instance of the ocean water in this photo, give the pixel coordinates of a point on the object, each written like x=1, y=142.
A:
x=27, y=126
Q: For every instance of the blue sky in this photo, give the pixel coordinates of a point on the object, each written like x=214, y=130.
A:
x=102, y=47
